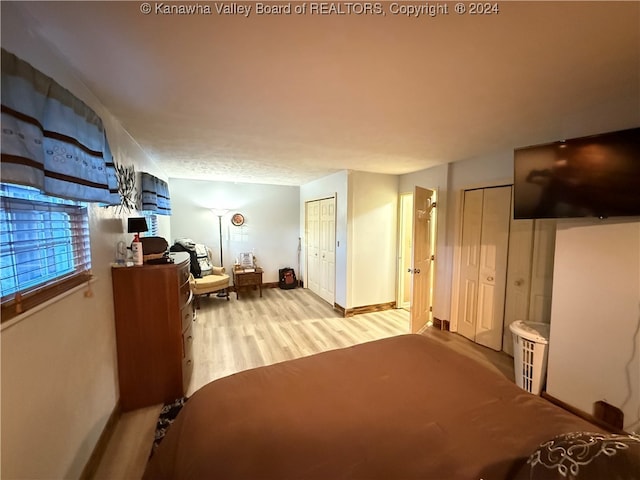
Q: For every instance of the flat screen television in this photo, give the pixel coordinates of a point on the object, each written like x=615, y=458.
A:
x=595, y=176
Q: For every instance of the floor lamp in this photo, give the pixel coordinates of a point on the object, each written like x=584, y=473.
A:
x=220, y=214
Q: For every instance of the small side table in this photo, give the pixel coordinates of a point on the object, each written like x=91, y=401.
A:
x=245, y=279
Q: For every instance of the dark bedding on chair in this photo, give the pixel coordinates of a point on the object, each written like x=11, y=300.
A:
x=399, y=408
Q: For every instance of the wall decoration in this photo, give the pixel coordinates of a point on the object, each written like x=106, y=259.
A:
x=126, y=187
x=237, y=219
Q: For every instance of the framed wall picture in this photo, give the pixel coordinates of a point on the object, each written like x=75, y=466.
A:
x=237, y=219
x=246, y=260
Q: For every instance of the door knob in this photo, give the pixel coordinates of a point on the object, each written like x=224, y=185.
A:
x=417, y=270
x=489, y=279
x=409, y=270
x=519, y=282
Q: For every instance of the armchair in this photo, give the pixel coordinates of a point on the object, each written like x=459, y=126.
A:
x=214, y=281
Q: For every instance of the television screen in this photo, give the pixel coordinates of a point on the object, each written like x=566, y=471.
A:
x=595, y=176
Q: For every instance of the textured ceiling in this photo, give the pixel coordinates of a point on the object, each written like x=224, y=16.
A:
x=286, y=99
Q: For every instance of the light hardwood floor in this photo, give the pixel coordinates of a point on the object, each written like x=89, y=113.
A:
x=231, y=336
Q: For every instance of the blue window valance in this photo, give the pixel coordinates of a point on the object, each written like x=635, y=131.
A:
x=51, y=140
x=155, y=195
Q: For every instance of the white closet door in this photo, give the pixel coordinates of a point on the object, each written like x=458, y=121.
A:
x=544, y=245
x=328, y=249
x=312, y=216
x=518, y=278
x=483, y=268
x=494, y=246
x=320, y=217
x=470, y=263
x=529, y=274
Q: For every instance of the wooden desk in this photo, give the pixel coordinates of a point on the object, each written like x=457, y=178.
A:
x=242, y=279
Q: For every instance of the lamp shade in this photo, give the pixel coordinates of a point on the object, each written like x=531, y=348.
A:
x=137, y=225
x=219, y=212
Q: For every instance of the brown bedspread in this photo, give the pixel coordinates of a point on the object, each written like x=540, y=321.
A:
x=399, y=408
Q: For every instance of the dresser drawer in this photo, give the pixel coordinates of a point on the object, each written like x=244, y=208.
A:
x=183, y=274
x=185, y=294
x=186, y=314
x=248, y=279
x=187, y=358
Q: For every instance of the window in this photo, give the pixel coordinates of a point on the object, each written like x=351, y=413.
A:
x=44, y=247
x=152, y=223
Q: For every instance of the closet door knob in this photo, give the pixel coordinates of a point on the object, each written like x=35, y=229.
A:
x=489, y=279
x=519, y=282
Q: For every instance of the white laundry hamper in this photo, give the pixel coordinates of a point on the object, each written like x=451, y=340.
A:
x=530, y=351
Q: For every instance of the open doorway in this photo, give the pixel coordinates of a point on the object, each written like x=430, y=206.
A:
x=404, y=251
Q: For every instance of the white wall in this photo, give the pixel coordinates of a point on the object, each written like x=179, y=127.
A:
x=374, y=237
x=59, y=371
x=594, y=348
x=270, y=231
x=330, y=186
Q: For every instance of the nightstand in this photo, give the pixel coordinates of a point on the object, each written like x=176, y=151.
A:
x=243, y=279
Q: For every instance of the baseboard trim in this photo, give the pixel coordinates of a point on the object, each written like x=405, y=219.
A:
x=584, y=415
x=91, y=467
x=232, y=288
x=350, y=312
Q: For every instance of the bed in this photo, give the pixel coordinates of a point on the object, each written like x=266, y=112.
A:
x=405, y=407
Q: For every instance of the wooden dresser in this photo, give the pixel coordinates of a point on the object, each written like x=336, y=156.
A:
x=154, y=317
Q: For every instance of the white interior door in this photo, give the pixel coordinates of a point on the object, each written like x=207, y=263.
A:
x=312, y=217
x=328, y=249
x=423, y=216
x=483, y=267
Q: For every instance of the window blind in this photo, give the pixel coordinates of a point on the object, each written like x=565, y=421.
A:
x=152, y=223
x=44, y=247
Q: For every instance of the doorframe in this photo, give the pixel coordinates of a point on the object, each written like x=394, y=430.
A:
x=434, y=246
x=404, y=217
x=334, y=197
x=457, y=243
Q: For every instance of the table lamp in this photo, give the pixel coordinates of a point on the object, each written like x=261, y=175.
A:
x=137, y=225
